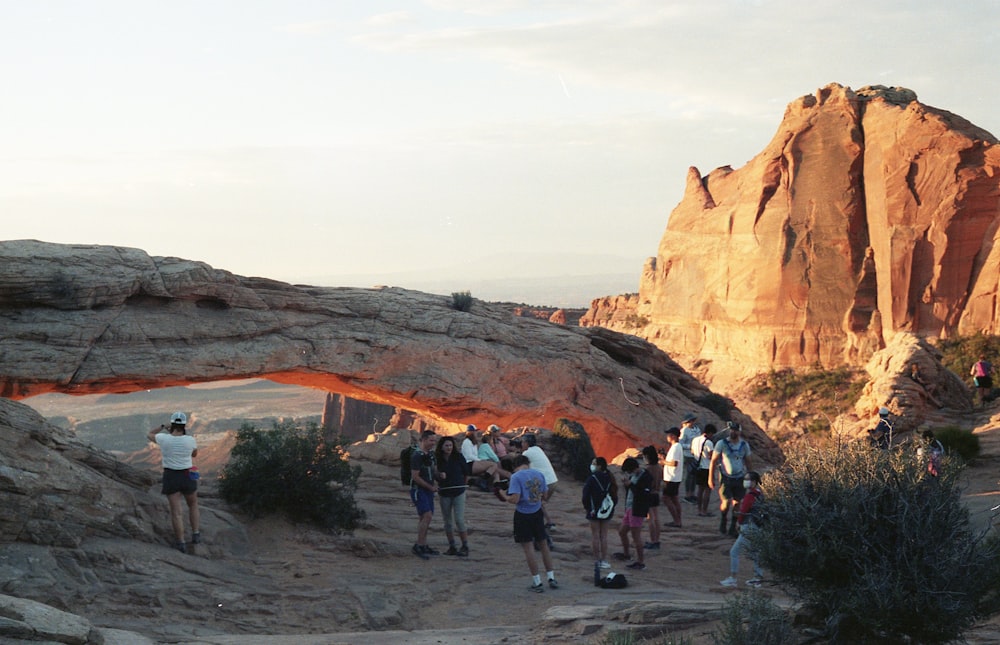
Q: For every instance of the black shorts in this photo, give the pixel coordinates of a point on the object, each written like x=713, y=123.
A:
x=671, y=489
x=178, y=481
x=732, y=488
x=984, y=381
x=701, y=477
x=529, y=527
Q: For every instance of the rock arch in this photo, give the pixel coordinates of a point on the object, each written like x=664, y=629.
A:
x=85, y=319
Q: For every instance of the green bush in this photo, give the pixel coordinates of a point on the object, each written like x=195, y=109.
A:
x=461, y=300
x=878, y=548
x=569, y=438
x=293, y=471
x=958, y=441
x=751, y=618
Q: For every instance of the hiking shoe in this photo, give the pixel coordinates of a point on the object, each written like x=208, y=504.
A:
x=451, y=550
x=651, y=546
x=603, y=564
x=182, y=547
x=553, y=584
x=729, y=582
x=429, y=551
x=419, y=552
x=196, y=537
x=539, y=588
x=622, y=557
x=463, y=551
x=754, y=582
x=638, y=566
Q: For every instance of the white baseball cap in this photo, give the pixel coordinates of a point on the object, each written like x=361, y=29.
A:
x=179, y=418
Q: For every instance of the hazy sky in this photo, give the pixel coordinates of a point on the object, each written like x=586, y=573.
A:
x=304, y=139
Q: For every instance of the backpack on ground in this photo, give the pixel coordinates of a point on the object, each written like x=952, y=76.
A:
x=613, y=581
x=405, y=474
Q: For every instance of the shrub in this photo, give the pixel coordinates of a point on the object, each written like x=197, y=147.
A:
x=293, y=471
x=751, y=618
x=570, y=439
x=869, y=540
x=461, y=300
x=958, y=441
x=716, y=403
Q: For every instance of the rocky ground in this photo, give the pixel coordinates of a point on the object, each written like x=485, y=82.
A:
x=267, y=581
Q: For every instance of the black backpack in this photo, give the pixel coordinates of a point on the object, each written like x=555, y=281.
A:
x=613, y=581
x=404, y=465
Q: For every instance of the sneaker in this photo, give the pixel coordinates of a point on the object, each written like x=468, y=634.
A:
x=430, y=551
x=622, y=557
x=651, y=546
x=451, y=550
x=463, y=551
x=550, y=527
x=639, y=566
x=729, y=582
x=755, y=583
x=419, y=552
x=196, y=537
x=539, y=588
x=603, y=564
x=553, y=584
x=182, y=547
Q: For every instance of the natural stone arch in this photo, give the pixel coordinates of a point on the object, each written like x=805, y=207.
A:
x=87, y=319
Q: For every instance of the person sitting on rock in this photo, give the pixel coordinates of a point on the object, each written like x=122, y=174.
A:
x=928, y=386
x=485, y=452
x=497, y=441
x=478, y=467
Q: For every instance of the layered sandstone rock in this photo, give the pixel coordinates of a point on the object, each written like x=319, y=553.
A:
x=86, y=319
x=866, y=215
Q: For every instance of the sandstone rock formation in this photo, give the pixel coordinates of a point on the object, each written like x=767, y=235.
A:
x=351, y=419
x=84, y=319
x=867, y=214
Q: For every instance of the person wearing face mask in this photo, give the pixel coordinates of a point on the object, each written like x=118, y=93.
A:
x=595, y=489
x=748, y=524
x=732, y=455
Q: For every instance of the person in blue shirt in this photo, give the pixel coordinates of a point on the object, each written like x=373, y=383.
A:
x=526, y=490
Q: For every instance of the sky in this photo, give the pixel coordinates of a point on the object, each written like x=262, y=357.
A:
x=443, y=145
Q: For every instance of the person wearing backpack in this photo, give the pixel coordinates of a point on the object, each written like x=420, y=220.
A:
x=599, y=486
x=702, y=447
x=423, y=485
x=748, y=522
x=732, y=455
x=982, y=377
x=638, y=484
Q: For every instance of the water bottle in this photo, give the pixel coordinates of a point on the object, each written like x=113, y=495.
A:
x=193, y=473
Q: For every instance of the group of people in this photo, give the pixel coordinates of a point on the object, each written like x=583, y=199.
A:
x=521, y=474
x=694, y=460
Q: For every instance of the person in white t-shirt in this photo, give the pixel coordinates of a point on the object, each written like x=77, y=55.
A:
x=540, y=462
x=478, y=467
x=673, y=475
x=180, y=479
x=702, y=447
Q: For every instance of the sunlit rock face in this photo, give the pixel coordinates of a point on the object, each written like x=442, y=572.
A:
x=867, y=214
x=88, y=319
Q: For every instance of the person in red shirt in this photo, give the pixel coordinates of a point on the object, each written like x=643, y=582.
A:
x=747, y=520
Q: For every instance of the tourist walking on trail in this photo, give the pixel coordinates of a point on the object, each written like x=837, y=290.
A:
x=598, y=486
x=702, y=448
x=526, y=490
x=689, y=431
x=748, y=521
x=180, y=479
x=451, y=493
x=423, y=485
x=638, y=486
x=731, y=459
x=673, y=475
x=651, y=462
x=982, y=377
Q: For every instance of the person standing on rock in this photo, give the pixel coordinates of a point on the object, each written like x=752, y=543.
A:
x=732, y=455
x=451, y=493
x=651, y=462
x=673, y=474
x=748, y=522
x=637, y=483
x=982, y=377
x=526, y=490
x=423, y=485
x=540, y=462
x=599, y=485
x=177, y=450
x=689, y=430
x=702, y=448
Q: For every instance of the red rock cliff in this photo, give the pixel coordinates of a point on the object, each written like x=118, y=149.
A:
x=868, y=213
